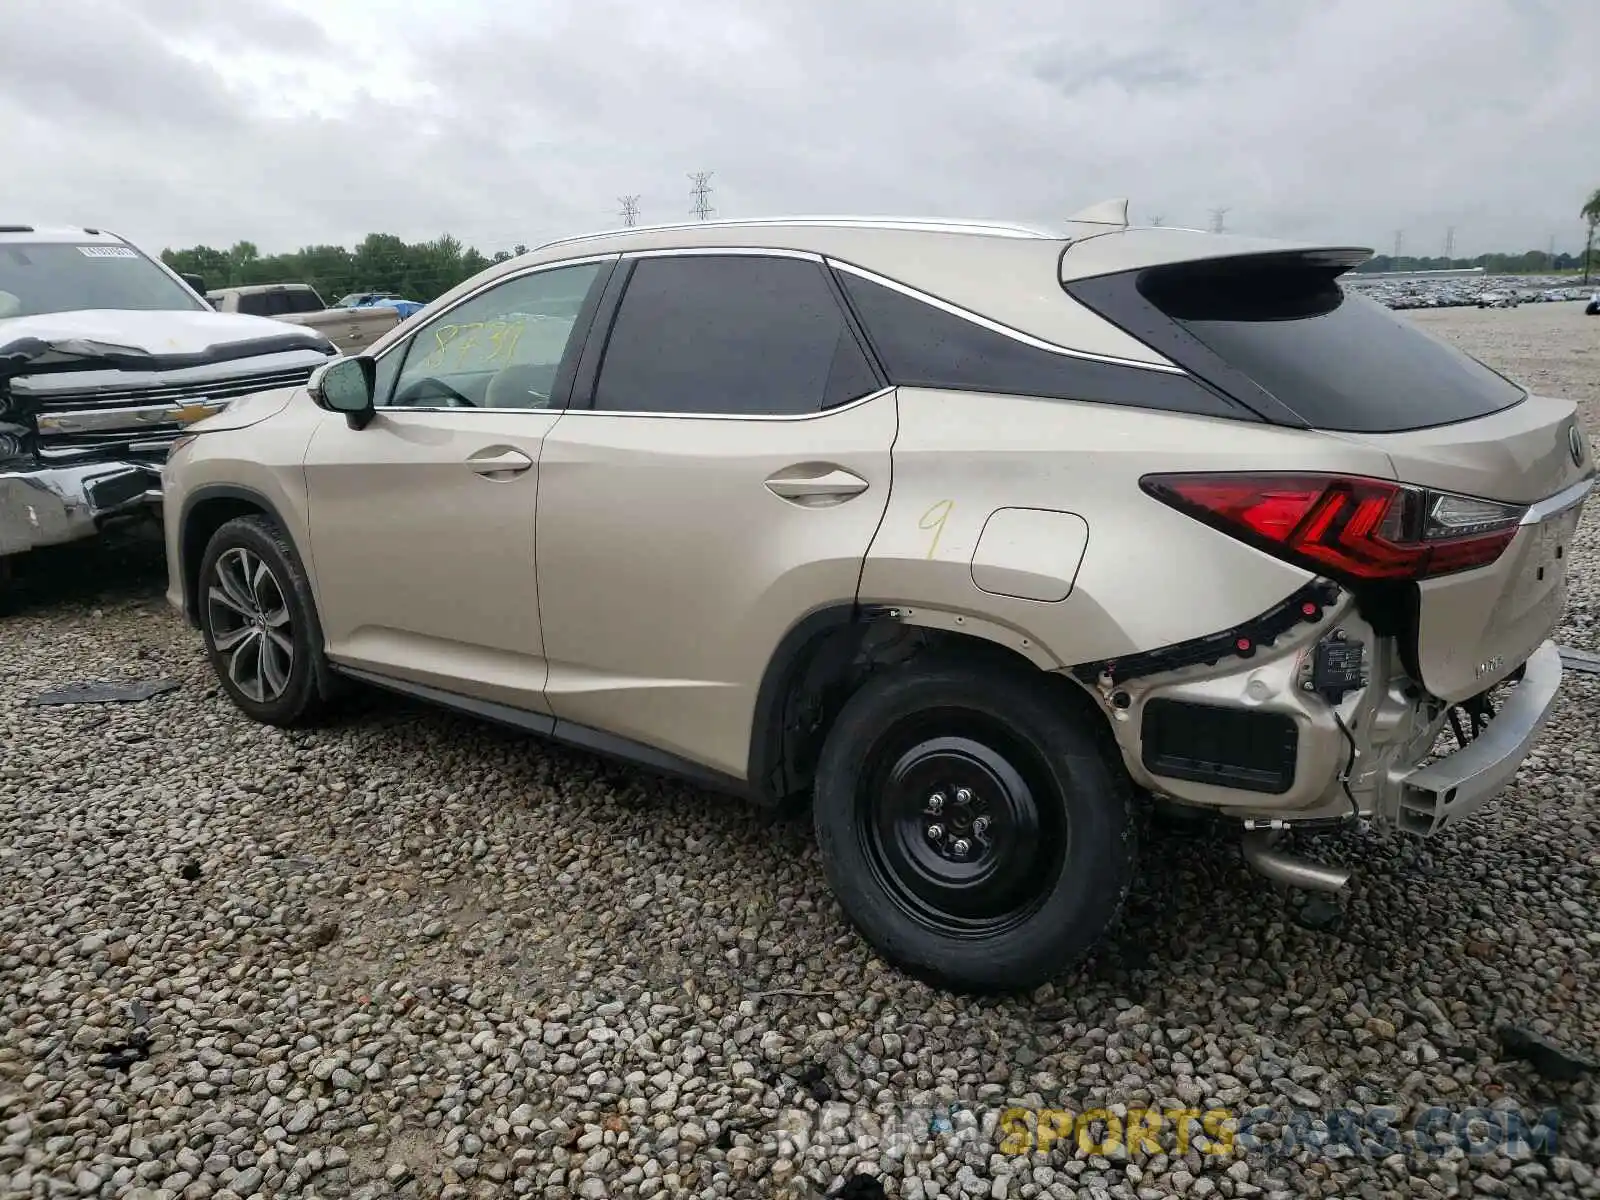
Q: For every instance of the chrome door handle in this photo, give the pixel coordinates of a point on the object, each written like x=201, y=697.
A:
x=505, y=462
x=814, y=484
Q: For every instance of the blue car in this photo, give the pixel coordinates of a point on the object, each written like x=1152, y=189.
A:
x=380, y=300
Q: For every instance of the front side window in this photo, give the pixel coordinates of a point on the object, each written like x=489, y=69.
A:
x=730, y=334
x=52, y=277
x=501, y=349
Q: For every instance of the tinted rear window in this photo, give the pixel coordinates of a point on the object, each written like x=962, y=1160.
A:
x=1336, y=359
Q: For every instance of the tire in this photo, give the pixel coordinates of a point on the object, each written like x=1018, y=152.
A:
x=275, y=614
x=1004, y=916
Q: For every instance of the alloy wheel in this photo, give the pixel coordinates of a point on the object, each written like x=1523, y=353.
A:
x=247, y=611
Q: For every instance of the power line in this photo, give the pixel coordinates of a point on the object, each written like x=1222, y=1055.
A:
x=630, y=209
x=1217, y=215
x=701, y=191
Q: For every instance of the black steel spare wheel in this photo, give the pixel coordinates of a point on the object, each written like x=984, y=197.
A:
x=955, y=826
x=971, y=825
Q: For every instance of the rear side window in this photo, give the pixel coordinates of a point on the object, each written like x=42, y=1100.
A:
x=921, y=345
x=740, y=335
x=1335, y=359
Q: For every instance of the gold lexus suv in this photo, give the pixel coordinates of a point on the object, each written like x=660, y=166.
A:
x=976, y=537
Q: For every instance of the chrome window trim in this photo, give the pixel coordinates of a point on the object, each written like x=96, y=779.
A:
x=993, y=326
x=735, y=250
x=698, y=416
x=664, y=252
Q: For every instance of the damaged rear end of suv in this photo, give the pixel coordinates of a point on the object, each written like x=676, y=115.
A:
x=1432, y=550
x=106, y=356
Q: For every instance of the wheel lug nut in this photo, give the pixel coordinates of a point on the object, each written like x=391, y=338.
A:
x=962, y=847
x=935, y=832
x=980, y=826
x=936, y=803
x=963, y=796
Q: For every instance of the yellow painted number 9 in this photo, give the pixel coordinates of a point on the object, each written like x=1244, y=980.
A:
x=934, y=519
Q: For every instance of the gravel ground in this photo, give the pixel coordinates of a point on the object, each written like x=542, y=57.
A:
x=413, y=955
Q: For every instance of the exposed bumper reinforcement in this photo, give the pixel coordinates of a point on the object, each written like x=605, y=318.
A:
x=65, y=504
x=1452, y=788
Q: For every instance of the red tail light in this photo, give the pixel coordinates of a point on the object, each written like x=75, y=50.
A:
x=1347, y=526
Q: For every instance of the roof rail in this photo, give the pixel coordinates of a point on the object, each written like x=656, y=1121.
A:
x=913, y=224
x=16, y=228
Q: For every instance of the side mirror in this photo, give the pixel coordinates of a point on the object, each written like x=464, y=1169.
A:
x=346, y=385
x=197, y=282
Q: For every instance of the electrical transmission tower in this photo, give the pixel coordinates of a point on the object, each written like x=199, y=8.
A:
x=701, y=191
x=1399, y=241
x=1217, y=215
x=1450, y=243
x=1156, y=221
x=630, y=210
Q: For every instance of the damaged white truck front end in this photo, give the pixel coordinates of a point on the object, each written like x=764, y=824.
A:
x=92, y=396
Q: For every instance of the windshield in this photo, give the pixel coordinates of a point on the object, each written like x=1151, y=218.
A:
x=52, y=277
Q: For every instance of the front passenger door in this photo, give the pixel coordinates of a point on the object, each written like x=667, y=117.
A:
x=422, y=523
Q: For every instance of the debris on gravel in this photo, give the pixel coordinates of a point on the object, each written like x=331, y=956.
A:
x=411, y=955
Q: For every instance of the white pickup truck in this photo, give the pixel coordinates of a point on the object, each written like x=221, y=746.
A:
x=351, y=329
x=106, y=356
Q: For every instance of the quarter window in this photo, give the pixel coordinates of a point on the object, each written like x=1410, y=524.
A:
x=501, y=349
x=921, y=345
x=743, y=335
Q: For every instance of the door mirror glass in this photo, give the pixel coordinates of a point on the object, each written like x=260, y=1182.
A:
x=346, y=386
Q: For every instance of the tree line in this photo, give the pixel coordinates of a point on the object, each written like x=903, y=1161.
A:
x=382, y=262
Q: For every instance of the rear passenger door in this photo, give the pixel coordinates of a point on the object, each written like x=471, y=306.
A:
x=720, y=475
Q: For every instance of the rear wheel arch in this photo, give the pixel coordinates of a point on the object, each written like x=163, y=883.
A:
x=992, y=889
x=830, y=653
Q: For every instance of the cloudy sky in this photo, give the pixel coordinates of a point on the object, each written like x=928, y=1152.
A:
x=287, y=122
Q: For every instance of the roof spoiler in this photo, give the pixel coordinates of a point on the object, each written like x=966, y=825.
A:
x=1106, y=212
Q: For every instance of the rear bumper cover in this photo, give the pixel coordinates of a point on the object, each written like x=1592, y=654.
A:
x=1446, y=791
x=50, y=506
